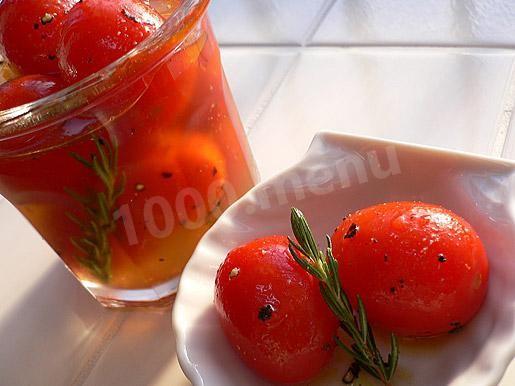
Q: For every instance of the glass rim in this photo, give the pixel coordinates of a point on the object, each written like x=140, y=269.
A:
x=41, y=113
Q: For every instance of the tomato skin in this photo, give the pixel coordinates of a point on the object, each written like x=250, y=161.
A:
x=186, y=171
x=98, y=32
x=289, y=342
x=29, y=32
x=420, y=269
x=27, y=89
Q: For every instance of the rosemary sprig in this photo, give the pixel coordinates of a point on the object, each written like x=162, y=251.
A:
x=324, y=267
x=93, y=245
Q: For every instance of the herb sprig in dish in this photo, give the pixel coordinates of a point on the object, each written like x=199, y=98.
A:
x=324, y=267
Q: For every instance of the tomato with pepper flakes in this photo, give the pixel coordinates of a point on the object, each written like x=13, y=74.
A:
x=27, y=89
x=29, y=32
x=98, y=32
x=273, y=313
x=187, y=171
x=420, y=269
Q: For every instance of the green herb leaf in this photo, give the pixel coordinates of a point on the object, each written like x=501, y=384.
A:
x=93, y=245
x=324, y=267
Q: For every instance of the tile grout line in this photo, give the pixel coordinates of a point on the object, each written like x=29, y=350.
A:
x=317, y=23
x=258, y=45
x=99, y=349
x=261, y=107
x=502, y=127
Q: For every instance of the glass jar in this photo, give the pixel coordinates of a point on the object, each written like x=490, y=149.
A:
x=123, y=172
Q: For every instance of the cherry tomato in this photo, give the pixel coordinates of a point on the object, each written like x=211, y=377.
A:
x=27, y=89
x=420, y=269
x=29, y=32
x=184, y=178
x=273, y=313
x=170, y=93
x=97, y=32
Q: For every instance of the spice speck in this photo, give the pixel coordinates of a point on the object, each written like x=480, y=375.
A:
x=442, y=258
x=352, y=374
x=234, y=273
x=47, y=18
x=265, y=312
x=456, y=327
x=139, y=187
x=352, y=231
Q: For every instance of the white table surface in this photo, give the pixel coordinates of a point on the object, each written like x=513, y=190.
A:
x=436, y=72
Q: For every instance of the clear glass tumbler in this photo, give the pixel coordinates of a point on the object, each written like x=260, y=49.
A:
x=123, y=172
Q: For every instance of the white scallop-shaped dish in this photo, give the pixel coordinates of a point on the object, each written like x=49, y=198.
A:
x=340, y=174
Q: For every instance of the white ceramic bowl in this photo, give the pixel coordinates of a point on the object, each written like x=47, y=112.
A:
x=340, y=174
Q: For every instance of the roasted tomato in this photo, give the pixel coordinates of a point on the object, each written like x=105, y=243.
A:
x=29, y=32
x=420, y=269
x=27, y=89
x=273, y=313
x=97, y=32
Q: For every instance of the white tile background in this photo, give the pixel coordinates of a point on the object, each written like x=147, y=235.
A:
x=436, y=72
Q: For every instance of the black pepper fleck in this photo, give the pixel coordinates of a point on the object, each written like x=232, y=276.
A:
x=392, y=290
x=385, y=257
x=265, y=312
x=352, y=231
x=161, y=259
x=101, y=141
x=52, y=57
x=36, y=25
x=456, y=327
x=352, y=374
x=215, y=171
x=167, y=175
x=441, y=258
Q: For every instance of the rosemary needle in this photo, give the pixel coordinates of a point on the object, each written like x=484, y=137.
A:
x=93, y=245
x=353, y=322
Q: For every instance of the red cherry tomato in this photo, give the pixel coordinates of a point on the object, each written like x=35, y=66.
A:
x=273, y=313
x=187, y=171
x=97, y=32
x=420, y=269
x=29, y=31
x=27, y=89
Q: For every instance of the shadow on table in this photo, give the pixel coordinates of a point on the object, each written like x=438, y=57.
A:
x=57, y=334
